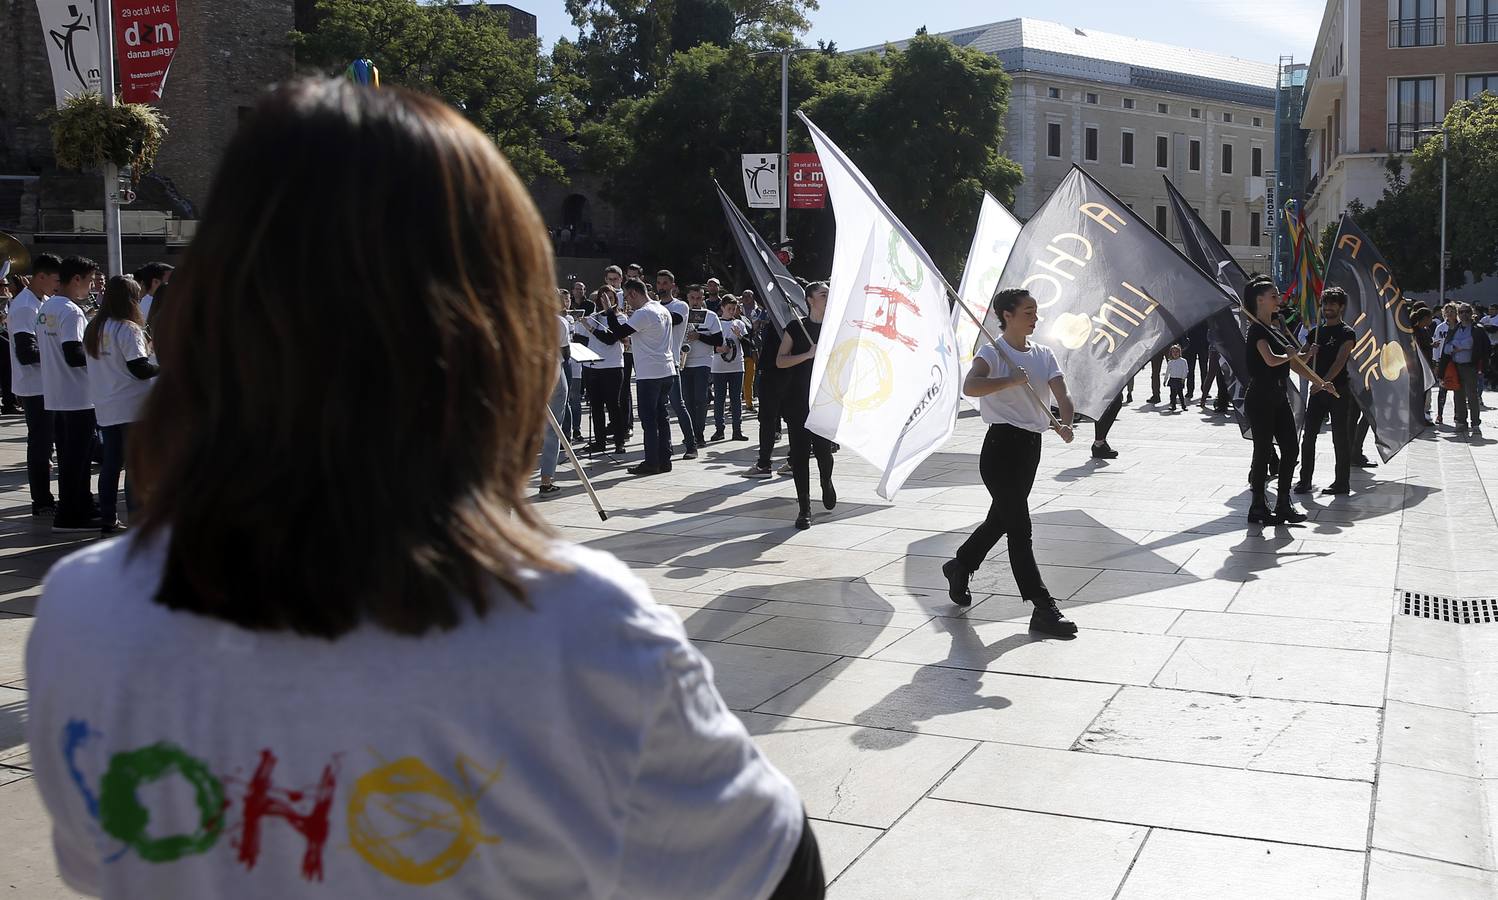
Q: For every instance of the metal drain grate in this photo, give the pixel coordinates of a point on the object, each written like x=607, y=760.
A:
x=1482, y=610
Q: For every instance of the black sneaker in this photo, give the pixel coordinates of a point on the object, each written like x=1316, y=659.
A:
x=47, y=510
x=1363, y=462
x=114, y=527
x=758, y=472
x=740, y=436
x=829, y=494
x=717, y=436
x=1048, y=619
x=957, y=578
x=642, y=470
x=1302, y=487
x=1336, y=489
x=1103, y=451
x=79, y=524
x=690, y=454
x=1154, y=399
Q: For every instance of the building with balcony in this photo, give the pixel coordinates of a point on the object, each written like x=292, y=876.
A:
x=1382, y=77
x=1129, y=111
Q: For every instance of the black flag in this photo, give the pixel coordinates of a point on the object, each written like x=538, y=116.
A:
x=1225, y=329
x=1386, y=372
x=1112, y=292
x=779, y=291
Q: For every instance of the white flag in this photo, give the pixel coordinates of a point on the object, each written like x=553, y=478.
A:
x=885, y=380
x=992, y=241
x=72, y=45
x=762, y=180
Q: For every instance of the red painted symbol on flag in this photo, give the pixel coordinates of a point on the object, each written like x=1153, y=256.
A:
x=889, y=311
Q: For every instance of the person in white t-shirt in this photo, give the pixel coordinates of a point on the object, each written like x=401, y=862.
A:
x=603, y=378
x=65, y=393
x=297, y=677
x=728, y=369
x=120, y=374
x=26, y=379
x=1176, y=370
x=1017, y=418
x=650, y=330
x=665, y=294
x=704, y=335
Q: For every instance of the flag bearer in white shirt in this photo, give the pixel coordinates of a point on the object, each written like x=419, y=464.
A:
x=26, y=379
x=65, y=392
x=120, y=373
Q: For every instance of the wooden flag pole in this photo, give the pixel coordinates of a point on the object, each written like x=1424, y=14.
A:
x=582, y=476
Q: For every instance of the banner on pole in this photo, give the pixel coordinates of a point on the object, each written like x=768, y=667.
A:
x=994, y=237
x=808, y=188
x=68, y=32
x=1386, y=372
x=779, y=291
x=884, y=383
x=762, y=180
x=145, y=33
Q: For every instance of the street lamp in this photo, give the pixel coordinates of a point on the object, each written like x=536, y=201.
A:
x=785, y=118
x=1444, y=147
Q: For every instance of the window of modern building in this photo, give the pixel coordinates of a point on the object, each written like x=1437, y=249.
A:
x=1258, y=122
x=1089, y=144
x=1196, y=113
x=1092, y=98
x=1415, y=111
x=1053, y=140
x=1480, y=24
x=1194, y=160
x=1418, y=24
x=1126, y=148
x=1162, y=152
x=1160, y=219
x=1227, y=159
x=1255, y=229
x=1053, y=93
x=1162, y=108
x=1227, y=228
x=1128, y=103
x=1256, y=162
x=1476, y=84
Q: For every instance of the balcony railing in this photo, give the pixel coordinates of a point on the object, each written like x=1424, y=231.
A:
x=1404, y=137
x=1477, y=29
x=1417, y=32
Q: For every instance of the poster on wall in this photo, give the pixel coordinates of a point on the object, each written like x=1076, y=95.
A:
x=145, y=40
x=72, y=44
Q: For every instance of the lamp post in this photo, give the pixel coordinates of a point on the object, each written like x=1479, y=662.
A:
x=104, y=22
x=785, y=121
x=1445, y=146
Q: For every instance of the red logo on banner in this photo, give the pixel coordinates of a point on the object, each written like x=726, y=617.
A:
x=145, y=40
x=808, y=186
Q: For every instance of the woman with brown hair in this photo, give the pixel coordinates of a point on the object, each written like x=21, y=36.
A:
x=340, y=654
x=120, y=374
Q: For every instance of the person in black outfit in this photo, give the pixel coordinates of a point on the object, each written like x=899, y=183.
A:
x=1332, y=345
x=1100, y=429
x=1268, y=407
x=771, y=393
x=797, y=350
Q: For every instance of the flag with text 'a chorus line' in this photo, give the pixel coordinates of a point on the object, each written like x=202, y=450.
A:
x=885, y=382
x=779, y=292
x=1387, y=373
x=1112, y=292
x=994, y=237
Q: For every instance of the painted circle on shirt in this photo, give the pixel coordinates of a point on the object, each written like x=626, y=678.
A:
x=399, y=816
x=123, y=816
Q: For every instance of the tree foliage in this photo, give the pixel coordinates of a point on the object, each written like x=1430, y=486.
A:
x=463, y=55
x=1405, y=223
x=924, y=125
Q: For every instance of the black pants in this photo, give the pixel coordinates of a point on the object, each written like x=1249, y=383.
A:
x=1195, y=359
x=1216, y=373
x=41, y=430
x=7, y=399
x=1321, y=406
x=1008, y=463
x=771, y=398
x=606, y=392
x=1176, y=386
x=629, y=398
x=115, y=438
x=804, y=445
x=1110, y=415
x=75, y=450
x=1273, y=423
x=1155, y=365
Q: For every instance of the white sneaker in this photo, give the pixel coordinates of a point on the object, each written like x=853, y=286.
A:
x=756, y=472
x=785, y=469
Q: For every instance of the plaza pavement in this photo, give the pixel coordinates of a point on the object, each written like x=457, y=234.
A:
x=1245, y=714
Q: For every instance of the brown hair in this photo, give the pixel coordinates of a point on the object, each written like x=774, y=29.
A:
x=121, y=301
x=355, y=397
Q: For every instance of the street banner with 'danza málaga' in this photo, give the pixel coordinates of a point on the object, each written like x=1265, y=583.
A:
x=1386, y=371
x=885, y=380
x=992, y=240
x=1112, y=292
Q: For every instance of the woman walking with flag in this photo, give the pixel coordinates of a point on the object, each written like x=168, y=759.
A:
x=797, y=350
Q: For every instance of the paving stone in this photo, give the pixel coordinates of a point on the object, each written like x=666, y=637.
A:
x=1441, y=740
x=1291, y=809
x=1107, y=615
x=13, y=749
x=1434, y=815
x=1262, y=735
x=1181, y=864
x=713, y=624
x=853, y=615
x=1271, y=670
x=748, y=676
x=837, y=638
x=993, y=578
x=840, y=844
x=956, y=850
x=1162, y=590
x=13, y=634
x=1281, y=630
x=27, y=867
x=1395, y=876
x=1346, y=603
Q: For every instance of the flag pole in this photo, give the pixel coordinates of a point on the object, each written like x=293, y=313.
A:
x=582, y=476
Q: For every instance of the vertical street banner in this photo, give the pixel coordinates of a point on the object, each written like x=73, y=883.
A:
x=1112, y=292
x=885, y=381
x=994, y=237
x=762, y=180
x=778, y=290
x=145, y=41
x=72, y=43
x=808, y=187
x=1387, y=373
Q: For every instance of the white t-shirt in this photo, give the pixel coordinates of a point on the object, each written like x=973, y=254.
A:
x=1013, y=405
x=1176, y=368
x=701, y=354
x=64, y=388
x=145, y=306
x=678, y=330
x=612, y=354
x=733, y=334
x=115, y=393
x=654, y=343
x=573, y=749
x=25, y=308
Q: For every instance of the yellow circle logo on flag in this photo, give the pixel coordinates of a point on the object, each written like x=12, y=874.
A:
x=859, y=376
x=1391, y=361
x=1072, y=330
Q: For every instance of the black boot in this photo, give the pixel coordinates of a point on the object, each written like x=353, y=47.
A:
x=1258, y=512
x=1288, y=514
x=829, y=493
x=1048, y=619
x=803, y=520
x=957, y=582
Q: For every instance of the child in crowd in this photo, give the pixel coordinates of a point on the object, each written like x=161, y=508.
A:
x=1175, y=376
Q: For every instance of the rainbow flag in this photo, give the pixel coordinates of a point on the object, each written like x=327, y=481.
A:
x=1306, y=267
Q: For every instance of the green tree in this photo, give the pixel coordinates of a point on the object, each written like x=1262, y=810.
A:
x=504, y=86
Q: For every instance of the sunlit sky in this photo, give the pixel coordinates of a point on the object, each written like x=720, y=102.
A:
x=1261, y=30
